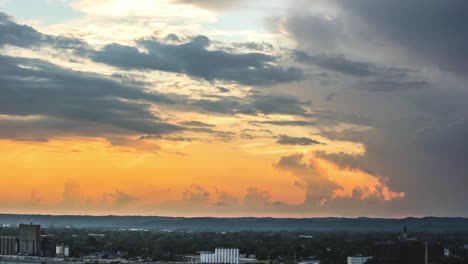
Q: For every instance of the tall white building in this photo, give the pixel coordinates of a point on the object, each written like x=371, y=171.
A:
x=359, y=259
x=220, y=255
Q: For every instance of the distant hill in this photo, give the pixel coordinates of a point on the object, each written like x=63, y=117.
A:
x=432, y=224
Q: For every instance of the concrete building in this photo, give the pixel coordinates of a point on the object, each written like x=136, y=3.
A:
x=8, y=245
x=221, y=255
x=29, y=239
x=358, y=259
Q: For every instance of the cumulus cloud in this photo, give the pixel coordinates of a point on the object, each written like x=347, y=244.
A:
x=324, y=182
x=225, y=199
x=196, y=194
x=256, y=197
x=319, y=189
x=122, y=198
x=71, y=193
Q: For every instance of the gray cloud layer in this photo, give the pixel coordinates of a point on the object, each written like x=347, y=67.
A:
x=195, y=59
x=14, y=34
x=371, y=76
x=287, y=140
x=32, y=87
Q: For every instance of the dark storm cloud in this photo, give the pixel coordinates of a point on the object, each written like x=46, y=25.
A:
x=371, y=76
x=287, y=140
x=195, y=59
x=32, y=87
x=432, y=30
x=14, y=34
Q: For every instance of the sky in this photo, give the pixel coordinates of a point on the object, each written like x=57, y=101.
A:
x=234, y=108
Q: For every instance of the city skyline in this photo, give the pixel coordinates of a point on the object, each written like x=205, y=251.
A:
x=234, y=108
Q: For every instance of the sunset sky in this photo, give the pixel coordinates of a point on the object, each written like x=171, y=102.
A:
x=234, y=108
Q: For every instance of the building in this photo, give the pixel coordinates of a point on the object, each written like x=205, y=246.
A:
x=29, y=239
x=62, y=251
x=407, y=252
x=243, y=259
x=358, y=259
x=8, y=245
x=312, y=261
x=48, y=244
x=220, y=255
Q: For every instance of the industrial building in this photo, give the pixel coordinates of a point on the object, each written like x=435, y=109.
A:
x=30, y=242
x=29, y=239
x=358, y=259
x=220, y=255
x=8, y=245
x=407, y=251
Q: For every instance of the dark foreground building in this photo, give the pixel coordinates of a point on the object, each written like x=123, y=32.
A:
x=29, y=239
x=407, y=252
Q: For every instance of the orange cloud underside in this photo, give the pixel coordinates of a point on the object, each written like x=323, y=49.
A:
x=353, y=179
x=38, y=171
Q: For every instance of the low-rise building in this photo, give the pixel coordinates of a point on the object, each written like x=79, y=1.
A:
x=62, y=251
x=220, y=255
x=358, y=259
x=311, y=261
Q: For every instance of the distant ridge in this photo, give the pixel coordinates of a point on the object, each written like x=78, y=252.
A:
x=361, y=224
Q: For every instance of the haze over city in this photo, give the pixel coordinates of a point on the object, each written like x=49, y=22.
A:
x=234, y=108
